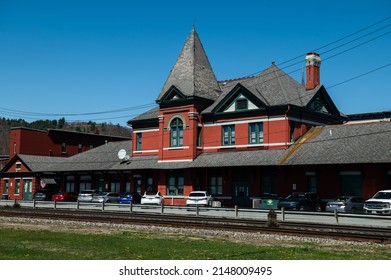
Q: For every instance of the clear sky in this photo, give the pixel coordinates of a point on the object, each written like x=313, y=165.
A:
x=79, y=58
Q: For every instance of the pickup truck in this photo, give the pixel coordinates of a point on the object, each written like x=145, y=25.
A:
x=380, y=203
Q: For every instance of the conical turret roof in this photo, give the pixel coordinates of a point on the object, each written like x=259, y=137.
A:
x=192, y=74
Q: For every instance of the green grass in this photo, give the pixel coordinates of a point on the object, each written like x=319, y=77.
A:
x=29, y=244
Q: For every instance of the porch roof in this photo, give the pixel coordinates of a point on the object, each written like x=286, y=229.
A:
x=336, y=144
x=344, y=144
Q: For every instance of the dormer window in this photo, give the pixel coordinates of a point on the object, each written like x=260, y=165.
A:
x=241, y=104
x=176, y=135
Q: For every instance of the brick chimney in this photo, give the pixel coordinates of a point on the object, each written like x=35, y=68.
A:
x=312, y=62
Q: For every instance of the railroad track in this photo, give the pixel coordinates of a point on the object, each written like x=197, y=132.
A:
x=353, y=233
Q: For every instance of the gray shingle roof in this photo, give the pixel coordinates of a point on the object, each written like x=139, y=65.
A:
x=336, y=144
x=151, y=114
x=345, y=144
x=239, y=158
x=39, y=163
x=101, y=158
x=192, y=73
x=272, y=86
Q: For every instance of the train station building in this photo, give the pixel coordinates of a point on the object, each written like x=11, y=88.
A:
x=238, y=139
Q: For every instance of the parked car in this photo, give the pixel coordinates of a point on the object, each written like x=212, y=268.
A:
x=64, y=196
x=346, y=204
x=106, y=197
x=151, y=197
x=86, y=195
x=129, y=197
x=302, y=201
x=199, y=198
x=380, y=203
x=44, y=194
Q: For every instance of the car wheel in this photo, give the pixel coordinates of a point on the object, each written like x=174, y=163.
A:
x=353, y=210
x=108, y=201
x=301, y=208
x=318, y=208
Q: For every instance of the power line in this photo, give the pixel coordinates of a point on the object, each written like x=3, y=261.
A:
x=338, y=40
x=18, y=113
x=359, y=76
x=5, y=110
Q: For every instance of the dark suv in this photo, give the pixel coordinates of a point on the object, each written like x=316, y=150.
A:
x=301, y=201
x=44, y=194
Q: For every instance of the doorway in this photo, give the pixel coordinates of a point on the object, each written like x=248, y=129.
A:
x=241, y=188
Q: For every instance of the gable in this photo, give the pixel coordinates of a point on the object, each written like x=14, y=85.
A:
x=239, y=99
x=318, y=105
x=172, y=94
x=322, y=103
x=16, y=164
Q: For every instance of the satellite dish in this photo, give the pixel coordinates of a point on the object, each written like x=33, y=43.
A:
x=122, y=154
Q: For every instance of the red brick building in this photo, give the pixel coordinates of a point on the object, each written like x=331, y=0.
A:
x=30, y=149
x=199, y=116
x=239, y=139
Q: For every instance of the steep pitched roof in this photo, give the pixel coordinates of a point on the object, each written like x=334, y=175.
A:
x=192, y=74
x=272, y=86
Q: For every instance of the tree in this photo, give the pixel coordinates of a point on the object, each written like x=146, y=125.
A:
x=61, y=123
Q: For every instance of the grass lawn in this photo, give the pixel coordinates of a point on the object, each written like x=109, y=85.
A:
x=57, y=243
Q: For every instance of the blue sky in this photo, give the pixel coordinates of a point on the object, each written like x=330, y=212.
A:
x=80, y=58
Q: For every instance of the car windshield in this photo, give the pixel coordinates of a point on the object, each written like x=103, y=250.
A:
x=86, y=192
x=342, y=198
x=197, y=194
x=383, y=195
x=100, y=194
x=151, y=193
x=126, y=195
x=295, y=196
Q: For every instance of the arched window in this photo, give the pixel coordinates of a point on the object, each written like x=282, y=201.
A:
x=176, y=136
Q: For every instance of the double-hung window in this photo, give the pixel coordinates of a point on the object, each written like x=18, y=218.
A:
x=216, y=185
x=175, y=184
x=139, y=141
x=255, y=133
x=228, y=135
x=176, y=136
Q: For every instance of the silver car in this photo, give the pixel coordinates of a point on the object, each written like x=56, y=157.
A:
x=346, y=204
x=86, y=195
x=106, y=197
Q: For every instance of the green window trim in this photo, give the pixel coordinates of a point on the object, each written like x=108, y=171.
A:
x=176, y=132
x=228, y=135
x=255, y=134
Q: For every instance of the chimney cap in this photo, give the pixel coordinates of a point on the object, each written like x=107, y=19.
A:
x=312, y=58
x=313, y=53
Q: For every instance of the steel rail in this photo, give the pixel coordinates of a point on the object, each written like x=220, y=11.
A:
x=353, y=233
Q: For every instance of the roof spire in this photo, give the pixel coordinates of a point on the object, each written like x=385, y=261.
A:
x=192, y=74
